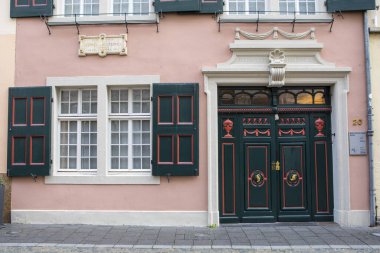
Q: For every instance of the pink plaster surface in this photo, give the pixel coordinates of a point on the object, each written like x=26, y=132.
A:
x=184, y=45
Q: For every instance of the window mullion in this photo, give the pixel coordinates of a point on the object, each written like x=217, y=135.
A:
x=79, y=144
x=130, y=129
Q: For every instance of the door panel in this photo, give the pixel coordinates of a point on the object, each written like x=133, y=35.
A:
x=293, y=176
x=258, y=178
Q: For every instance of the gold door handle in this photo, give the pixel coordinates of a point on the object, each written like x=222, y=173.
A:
x=276, y=166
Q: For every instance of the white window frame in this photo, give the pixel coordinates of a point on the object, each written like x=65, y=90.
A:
x=129, y=116
x=105, y=16
x=102, y=175
x=272, y=12
x=81, y=8
x=130, y=8
x=78, y=117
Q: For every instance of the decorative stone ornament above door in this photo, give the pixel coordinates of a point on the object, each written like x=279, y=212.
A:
x=277, y=68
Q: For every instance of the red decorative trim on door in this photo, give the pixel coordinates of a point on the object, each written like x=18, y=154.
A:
x=192, y=110
x=31, y=150
x=256, y=132
x=256, y=121
x=234, y=179
x=228, y=125
x=22, y=5
x=291, y=132
x=292, y=121
x=159, y=110
x=300, y=109
x=31, y=111
x=43, y=4
x=13, y=150
x=14, y=111
x=192, y=148
x=257, y=110
x=159, y=148
x=319, y=125
x=326, y=178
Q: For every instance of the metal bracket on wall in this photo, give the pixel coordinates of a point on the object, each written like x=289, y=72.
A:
x=258, y=19
x=77, y=22
x=45, y=20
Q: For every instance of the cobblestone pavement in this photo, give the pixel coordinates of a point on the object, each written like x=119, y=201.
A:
x=284, y=237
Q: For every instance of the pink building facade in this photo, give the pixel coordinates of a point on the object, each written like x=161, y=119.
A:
x=115, y=155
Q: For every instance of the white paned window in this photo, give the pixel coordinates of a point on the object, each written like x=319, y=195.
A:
x=306, y=7
x=246, y=6
x=287, y=6
x=77, y=130
x=273, y=8
x=131, y=7
x=83, y=7
x=102, y=131
x=130, y=134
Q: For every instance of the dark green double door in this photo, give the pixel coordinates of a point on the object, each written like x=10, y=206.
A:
x=275, y=167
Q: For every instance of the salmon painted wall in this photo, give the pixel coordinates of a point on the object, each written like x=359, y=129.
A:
x=7, y=74
x=184, y=44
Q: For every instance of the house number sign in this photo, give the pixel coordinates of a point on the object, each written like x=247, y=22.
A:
x=103, y=45
x=358, y=143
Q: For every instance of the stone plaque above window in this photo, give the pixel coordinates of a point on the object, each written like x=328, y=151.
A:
x=103, y=45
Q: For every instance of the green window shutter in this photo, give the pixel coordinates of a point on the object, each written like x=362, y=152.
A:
x=350, y=5
x=29, y=113
x=176, y=5
x=211, y=6
x=175, y=130
x=31, y=8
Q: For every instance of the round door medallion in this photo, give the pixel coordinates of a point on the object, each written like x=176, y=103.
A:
x=292, y=178
x=257, y=178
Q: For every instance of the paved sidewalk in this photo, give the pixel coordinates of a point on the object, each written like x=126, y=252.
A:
x=281, y=237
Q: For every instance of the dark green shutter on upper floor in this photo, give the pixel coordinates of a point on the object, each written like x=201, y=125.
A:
x=175, y=130
x=31, y=8
x=201, y=6
x=350, y=5
x=29, y=122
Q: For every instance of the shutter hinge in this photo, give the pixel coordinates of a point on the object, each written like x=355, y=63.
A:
x=151, y=98
x=51, y=100
x=51, y=161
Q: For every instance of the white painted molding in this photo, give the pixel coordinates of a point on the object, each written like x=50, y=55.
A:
x=249, y=66
x=353, y=218
x=275, y=32
x=108, y=217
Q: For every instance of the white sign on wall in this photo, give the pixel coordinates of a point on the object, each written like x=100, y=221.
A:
x=358, y=143
x=103, y=45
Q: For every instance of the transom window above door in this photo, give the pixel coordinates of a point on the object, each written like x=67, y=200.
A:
x=251, y=96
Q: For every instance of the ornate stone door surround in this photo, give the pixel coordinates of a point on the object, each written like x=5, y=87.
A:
x=277, y=63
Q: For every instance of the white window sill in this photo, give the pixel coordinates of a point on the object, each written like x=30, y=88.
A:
x=103, y=19
x=88, y=179
x=251, y=18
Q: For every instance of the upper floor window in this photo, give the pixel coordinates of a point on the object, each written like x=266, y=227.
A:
x=273, y=7
x=305, y=7
x=250, y=6
x=83, y=7
x=135, y=7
